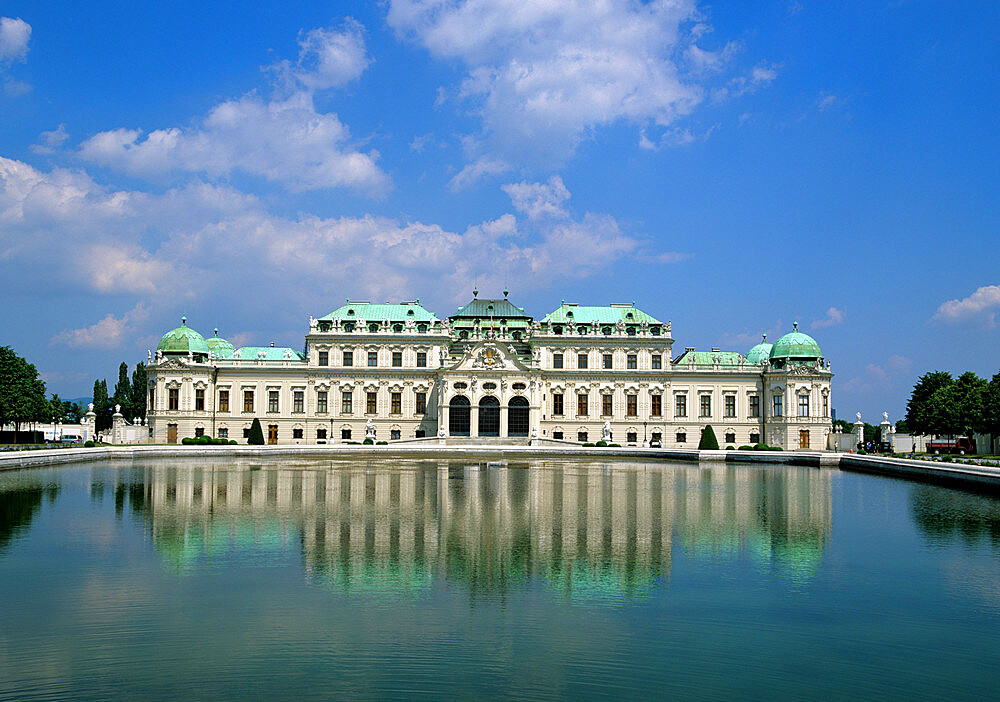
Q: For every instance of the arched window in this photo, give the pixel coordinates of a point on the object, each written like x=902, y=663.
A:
x=489, y=416
x=459, y=416
x=517, y=417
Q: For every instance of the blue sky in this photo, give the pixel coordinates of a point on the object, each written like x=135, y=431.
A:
x=731, y=167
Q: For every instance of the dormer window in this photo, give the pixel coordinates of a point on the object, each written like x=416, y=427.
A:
x=569, y=315
x=557, y=330
x=397, y=327
x=373, y=327
x=628, y=315
x=409, y=313
x=350, y=313
x=422, y=328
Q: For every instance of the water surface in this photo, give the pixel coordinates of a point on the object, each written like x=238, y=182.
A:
x=573, y=579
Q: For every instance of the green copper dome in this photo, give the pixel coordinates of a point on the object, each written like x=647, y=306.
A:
x=221, y=347
x=759, y=353
x=183, y=339
x=796, y=346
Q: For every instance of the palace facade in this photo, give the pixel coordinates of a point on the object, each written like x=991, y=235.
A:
x=489, y=371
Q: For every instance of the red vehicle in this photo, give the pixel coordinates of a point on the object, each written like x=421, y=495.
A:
x=962, y=445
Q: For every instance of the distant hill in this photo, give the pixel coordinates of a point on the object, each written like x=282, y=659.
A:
x=82, y=401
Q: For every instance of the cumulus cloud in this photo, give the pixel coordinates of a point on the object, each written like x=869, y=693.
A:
x=14, y=36
x=283, y=139
x=542, y=76
x=833, y=317
x=979, y=307
x=108, y=333
x=537, y=200
x=475, y=170
x=48, y=142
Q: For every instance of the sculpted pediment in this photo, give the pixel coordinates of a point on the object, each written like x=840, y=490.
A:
x=489, y=356
x=171, y=364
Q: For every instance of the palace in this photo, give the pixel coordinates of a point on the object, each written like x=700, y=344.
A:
x=489, y=372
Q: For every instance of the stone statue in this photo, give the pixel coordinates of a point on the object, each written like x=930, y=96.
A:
x=90, y=406
x=606, y=432
x=534, y=432
x=369, y=429
x=885, y=416
x=118, y=409
x=149, y=357
x=859, y=416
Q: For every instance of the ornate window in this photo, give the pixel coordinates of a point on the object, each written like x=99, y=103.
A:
x=248, y=400
x=581, y=404
x=420, y=402
x=557, y=360
x=396, y=403
x=631, y=405
x=324, y=358
x=557, y=404
x=173, y=398
x=680, y=404
x=729, y=406
x=803, y=405
x=298, y=401
x=348, y=358
x=581, y=360
x=656, y=405
x=706, y=406
x=272, y=400
x=607, y=361
x=372, y=359
x=607, y=405
x=199, y=399
x=347, y=403
x=371, y=403
x=397, y=359
x=321, y=404
x=631, y=362
x=777, y=405
x=421, y=359
x=754, y=409
x=657, y=361
x=223, y=400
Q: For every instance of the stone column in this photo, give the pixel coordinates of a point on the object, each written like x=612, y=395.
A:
x=859, y=432
x=89, y=424
x=503, y=420
x=117, y=426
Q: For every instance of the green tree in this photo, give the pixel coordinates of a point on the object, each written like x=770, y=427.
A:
x=921, y=413
x=256, y=437
x=123, y=391
x=902, y=427
x=941, y=413
x=842, y=425
x=139, y=390
x=969, y=391
x=102, y=405
x=22, y=392
x=990, y=419
x=708, y=441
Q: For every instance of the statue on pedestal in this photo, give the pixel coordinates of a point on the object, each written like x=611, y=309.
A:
x=369, y=429
x=606, y=432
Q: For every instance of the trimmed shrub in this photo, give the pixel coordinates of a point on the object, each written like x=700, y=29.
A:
x=588, y=443
x=614, y=445
x=760, y=447
x=368, y=441
x=256, y=437
x=232, y=442
x=602, y=442
x=381, y=443
x=745, y=447
x=775, y=448
x=186, y=440
x=708, y=441
x=730, y=448
x=88, y=444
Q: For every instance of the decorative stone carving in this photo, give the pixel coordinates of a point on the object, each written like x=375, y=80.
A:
x=489, y=357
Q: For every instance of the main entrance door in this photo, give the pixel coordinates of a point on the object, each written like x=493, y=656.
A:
x=517, y=417
x=803, y=438
x=272, y=433
x=171, y=433
x=489, y=416
x=459, y=416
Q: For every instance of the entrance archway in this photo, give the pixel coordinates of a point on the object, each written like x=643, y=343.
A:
x=517, y=417
x=459, y=417
x=489, y=416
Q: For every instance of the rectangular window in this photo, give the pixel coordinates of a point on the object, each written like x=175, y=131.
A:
x=372, y=359
x=421, y=359
x=297, y=433
x=223, y=433
x=371, y=402
x=729, y=405
x=607, y=405
x=581, y=360
x=173, y=398
x=680, y=405
x=324, y=358
x=754, y=408
x=778, y=405
x=706, y=406
x=557, y=435
x=557, y=360
x=199, y=431
x=199, y=399
x=656, y=437
x=396, y=403
x=272, y=400
x=730, y=437
x=581, y=404
x=420, y=402
x=394, y=434
x=152, y=398
x=631, y=437
x=347, y=403
x=246, y=432
x=656, y=405
x=581, y=436
x=223, y=400
x=248, y=400
x=657, y=361
x=681, y=437
x=557, y=404
x=803, y=405
x=397, y=359
x=348, y=358
x=826, y=406
x=631, y=362
x=321, y=406
x=298, y=401
x=321, y=433
x=606, y=360
x=631, y=405
x=345, y=434
x=755, y=438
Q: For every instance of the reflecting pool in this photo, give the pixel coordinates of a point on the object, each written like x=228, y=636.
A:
x=544, y=579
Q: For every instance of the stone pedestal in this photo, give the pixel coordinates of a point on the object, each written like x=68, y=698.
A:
x=859, y=432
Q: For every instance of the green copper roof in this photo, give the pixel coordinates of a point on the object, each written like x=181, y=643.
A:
x=271, y=353
x=707, y=358
x=609, y=314
x=369, y=312
x=486, y=308
x=218, y=344
x=759, y=353
x=796, y=345
x=182, y=339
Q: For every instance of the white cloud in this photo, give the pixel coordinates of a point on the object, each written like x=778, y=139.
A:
x=833, y=317
x=108, y=333
x=50, y=141
x=537, y=200
x=825, y=101
x=668, y=257
x=14, y=36
x=475, y=170
x=981, y=306
x=879, y=376
x=543, y=75
x=328, y=58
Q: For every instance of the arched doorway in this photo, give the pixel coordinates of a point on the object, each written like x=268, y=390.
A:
x=459, y=416
x=489, y=416
x=517, y=417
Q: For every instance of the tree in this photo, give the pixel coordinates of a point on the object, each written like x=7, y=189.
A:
x=256, y=437
x=843, y=426
x=969, y=391
x=902, y=427
x=708, y=441
x=139, y=390
x=102, y=405
x=990, y=419
x=22, y=393
x=921, y=414
x=123, y=391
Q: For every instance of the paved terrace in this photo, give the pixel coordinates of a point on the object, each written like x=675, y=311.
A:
x=959, y=475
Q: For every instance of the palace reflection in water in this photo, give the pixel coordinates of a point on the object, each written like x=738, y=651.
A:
x=584, y=528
